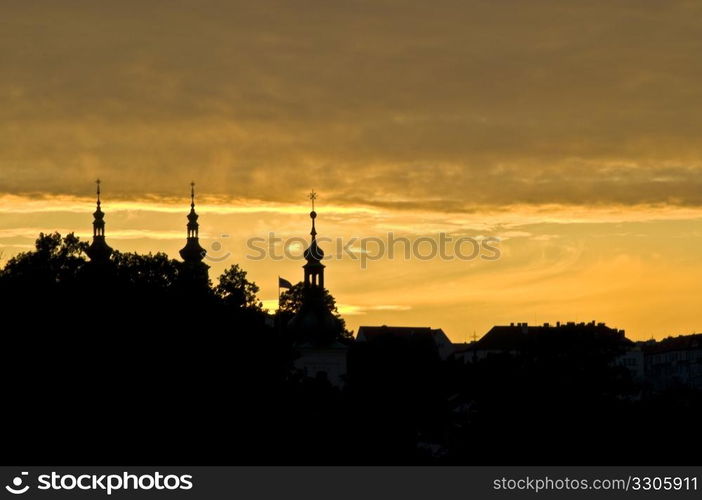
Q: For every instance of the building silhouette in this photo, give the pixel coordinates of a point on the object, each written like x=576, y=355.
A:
x=323, y=352
x=314, y=327
x=99, y=251
x=314, y=323
x=194, y=270
x=669, y=363
x=314, y=269
x=517, y=339
x=432, y=338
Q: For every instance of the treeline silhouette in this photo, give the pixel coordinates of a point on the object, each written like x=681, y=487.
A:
x=129, y=362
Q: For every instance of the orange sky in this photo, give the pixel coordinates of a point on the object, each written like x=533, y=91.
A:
x=569, y=130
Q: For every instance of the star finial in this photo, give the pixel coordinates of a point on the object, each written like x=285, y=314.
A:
x=312, y=197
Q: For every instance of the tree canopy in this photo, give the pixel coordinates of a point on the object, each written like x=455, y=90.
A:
x=237, y=291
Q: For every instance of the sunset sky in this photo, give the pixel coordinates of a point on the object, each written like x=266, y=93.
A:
x=569, y=130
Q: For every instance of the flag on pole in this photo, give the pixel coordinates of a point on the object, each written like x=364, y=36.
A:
x=283, y=283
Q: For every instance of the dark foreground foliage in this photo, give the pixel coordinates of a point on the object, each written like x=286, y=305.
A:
x=129, y=364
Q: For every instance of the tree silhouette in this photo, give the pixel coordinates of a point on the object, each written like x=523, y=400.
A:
x=291, y=302
x=54, y=262
x=204, y=362
x=150, y=271
x=236, y=291
x=292, y=299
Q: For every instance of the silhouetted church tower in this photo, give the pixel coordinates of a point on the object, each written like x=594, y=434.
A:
x=314, y=323
x=314, y=269
x=316, y=330
x=194, y=270
x=99, y=251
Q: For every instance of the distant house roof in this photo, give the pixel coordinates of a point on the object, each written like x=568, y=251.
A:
x=515, y=337
x=418, y=336
x=679, y=343
x=504, y=338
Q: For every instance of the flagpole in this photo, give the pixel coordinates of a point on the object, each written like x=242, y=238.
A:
x=277, y=315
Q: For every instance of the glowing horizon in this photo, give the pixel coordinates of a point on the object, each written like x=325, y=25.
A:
x=374, y=296
x=559, y=128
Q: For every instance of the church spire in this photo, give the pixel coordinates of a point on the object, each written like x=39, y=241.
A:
x=98, y=215
x=314, y=269
x=314, y=323
x=99, y=250
x=192, y=251
x=313, y=214
x=193, y=226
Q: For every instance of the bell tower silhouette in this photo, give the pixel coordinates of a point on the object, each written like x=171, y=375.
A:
x=99, y=251
x=314, y=269
x=192, y=252
x=314, y=323
x=315, y=329
x=194, y=275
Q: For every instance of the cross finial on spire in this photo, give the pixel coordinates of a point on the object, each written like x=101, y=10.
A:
x=312, y=197
x=192, y=194
x=97, y=183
